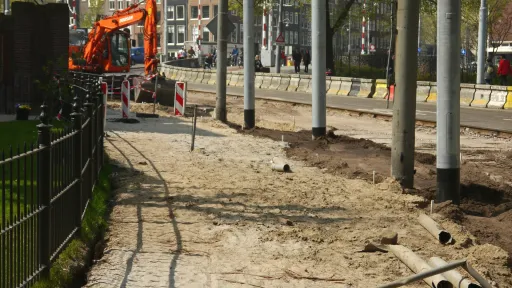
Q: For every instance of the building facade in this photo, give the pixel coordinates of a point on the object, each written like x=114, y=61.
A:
x=177, y=25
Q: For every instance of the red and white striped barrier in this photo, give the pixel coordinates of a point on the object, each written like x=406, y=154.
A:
x=125, y=98
x=180, y=98
x=104, y=91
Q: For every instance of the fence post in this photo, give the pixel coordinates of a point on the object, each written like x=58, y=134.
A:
x=94, y=127
x=77, y=151
x=100, y=118
x=89, y=110
x=44, y=190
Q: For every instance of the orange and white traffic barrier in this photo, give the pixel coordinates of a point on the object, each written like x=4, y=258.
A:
x=125, y=98
x=180, y=98
x=104, y=91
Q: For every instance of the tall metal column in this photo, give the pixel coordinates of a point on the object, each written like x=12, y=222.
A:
x=166, y=33
x=448, y=100
x=222, y=58
x=404, y=109
x=482, y=42
x=319, y=59
x=279, y=31
x=249, y=69
x=7, y=7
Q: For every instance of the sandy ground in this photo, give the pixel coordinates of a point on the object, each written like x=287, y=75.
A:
x=219, y=217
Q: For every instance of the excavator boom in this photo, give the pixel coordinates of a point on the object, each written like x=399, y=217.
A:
x=103, y=38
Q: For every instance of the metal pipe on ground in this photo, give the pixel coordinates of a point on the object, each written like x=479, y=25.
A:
x=435, y=229
x=418, y=265
x=453, y=276
x=280, y=167
x=422, y=275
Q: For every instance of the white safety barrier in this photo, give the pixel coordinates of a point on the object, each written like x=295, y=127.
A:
x=125, y=98
x=180, y=98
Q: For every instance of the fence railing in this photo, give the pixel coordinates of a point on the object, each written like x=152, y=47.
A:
x=375, y=66
x=45, y=189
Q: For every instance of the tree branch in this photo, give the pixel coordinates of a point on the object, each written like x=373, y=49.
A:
x=343, y=15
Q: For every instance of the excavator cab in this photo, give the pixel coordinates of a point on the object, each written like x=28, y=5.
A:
x=116, y=54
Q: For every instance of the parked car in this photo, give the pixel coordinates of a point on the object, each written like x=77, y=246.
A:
x=137, y=55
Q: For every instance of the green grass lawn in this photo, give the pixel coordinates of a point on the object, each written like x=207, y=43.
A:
x=18, y=178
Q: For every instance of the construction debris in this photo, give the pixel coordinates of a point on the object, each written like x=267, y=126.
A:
x=435, y=229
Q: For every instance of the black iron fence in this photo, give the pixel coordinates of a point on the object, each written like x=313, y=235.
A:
x=45, y=188
x=374, y=66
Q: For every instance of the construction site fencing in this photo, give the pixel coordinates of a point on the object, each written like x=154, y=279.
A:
x=47, y=186
x=374, y=66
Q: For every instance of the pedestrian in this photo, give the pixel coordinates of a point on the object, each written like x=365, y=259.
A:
x=296, y=60
x=391, y=70
x=257, y=63
x=191, y=52
x=489, y=72
x=307, y=61
x=283, y=58
x=234, y=54
x=504, y=70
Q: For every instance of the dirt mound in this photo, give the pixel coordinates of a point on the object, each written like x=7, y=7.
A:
x=485, y=189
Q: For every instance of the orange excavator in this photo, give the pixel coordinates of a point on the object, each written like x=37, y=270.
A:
x=107, y=48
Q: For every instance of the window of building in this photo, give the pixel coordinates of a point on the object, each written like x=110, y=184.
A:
x=296, y=17
x=286, y=37
x=158, y=2
x=206, y=34
x=112, y=4
x=180, y=13
x=170, y=34
x=120, y=5
x=296, y=37
x=181, y=34
x=205, y=12
x=158, y=40
x=194, y=12
x=170, y=12
x=215, y=10
x=241, y=32
x=287, y=16
x=128, y=3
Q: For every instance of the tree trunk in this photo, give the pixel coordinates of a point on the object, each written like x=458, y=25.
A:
x=329, y=50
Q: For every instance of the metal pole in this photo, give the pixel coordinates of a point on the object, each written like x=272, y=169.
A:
x=349, y=34
x=7, y=6
x=319, y=60
x=419, y=32
x=279, y=31
x=166, y=40
x=249, y=69
x=154, y=96
x=404, y=109
x=482, y=41
x=448, y=100
x=222, y=55
x=194, y=123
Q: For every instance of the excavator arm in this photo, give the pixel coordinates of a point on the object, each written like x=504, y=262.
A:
x=121, y=19
x=150, y=39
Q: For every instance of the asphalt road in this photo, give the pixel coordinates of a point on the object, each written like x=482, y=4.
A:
x=498, y=120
